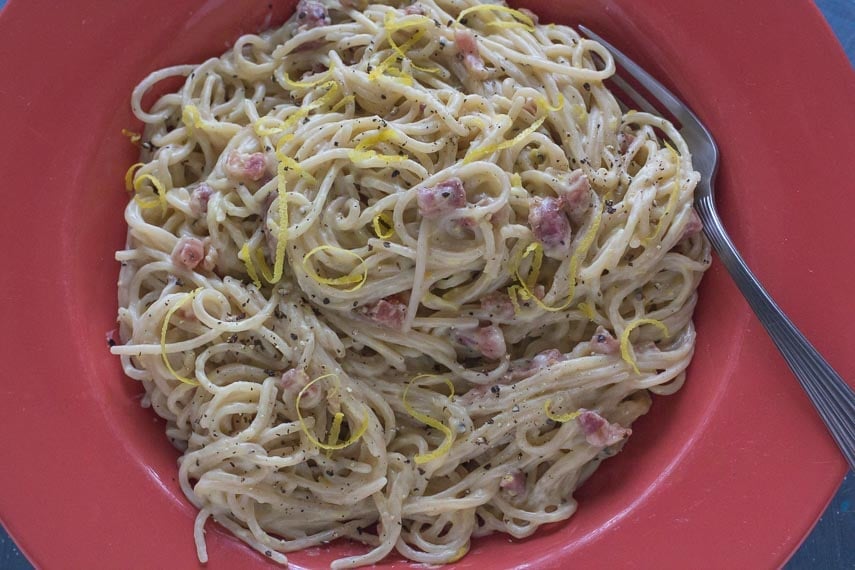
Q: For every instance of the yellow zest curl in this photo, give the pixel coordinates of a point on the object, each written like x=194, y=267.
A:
x=384, y=227
x=129, y=176
x=477, y=153
x=335, y=429
x=132, y=136
x=392, y=26
x=516, y=180
x=246, y=256
x=626, y=348
x=160, y=190
x=262, y=130
x=362, y=151
x=588, y=311
x=522, y=21
x=169, y=313
x=190, y=117
x=429, y=421
x=341, y=104
x=547, y=407
x=356, y=280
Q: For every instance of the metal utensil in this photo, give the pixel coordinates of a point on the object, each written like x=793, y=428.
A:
x=832, y=397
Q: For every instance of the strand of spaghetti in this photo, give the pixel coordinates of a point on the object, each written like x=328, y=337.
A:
x=188, y=297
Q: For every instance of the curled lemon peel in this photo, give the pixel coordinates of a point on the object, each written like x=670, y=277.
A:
x=480, y=152
x=134, y=137
x=524, y=288
x=350, y=279
x=516, y=180
x=626, y=348
x=385, y=67
x=262, y=130
x=245, y=255
x=391, y=26
x=522, y=20
x=672, y=199
x=335, y=430
x=429, y=421
x=547, y=407
x=363, y=152
x=160, y=191
x=304, y=84
x=129, y=176
x=381, y=220
x=191, y=118
x=188, y=297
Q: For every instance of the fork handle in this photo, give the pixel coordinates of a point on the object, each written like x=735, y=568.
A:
x=831, y=396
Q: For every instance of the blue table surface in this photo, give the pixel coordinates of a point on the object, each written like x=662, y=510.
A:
x=831, y=545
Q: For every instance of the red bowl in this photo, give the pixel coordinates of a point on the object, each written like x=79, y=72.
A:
x=730, y=472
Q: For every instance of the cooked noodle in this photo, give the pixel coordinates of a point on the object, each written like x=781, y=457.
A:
x=402, y=274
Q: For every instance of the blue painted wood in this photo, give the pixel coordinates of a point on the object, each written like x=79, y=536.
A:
x=831, y=545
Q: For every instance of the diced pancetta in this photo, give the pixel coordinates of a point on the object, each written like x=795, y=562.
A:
x=467, y=51
x=526, y=369
x=188, y=252
x=497, y=305
x=199, y=198
x=242, y=166
x=415, y=9
x=389, y=312
x=437, y=201
x=603, y=342
x=575, y=194
x=550, y=225
x=489, y=341
x=599, y=432
x=513, y=483
x=292, y=382
x=312, y=14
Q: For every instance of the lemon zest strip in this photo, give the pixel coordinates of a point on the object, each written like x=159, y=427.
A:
x=522, y=19
x=159, y=188
x=134, y=137
x=480, y=152
x=190, y=117
x=547, y=407
x=357, y=280
x=625, y=347
x=333, y=431
x=129, y=176
x=392, y=26
x=362, y=151
x=427, y=420
x=246, y=256
x=381, y=220
x=169, y=313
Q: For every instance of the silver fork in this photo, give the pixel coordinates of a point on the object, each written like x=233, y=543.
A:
x=832, y=397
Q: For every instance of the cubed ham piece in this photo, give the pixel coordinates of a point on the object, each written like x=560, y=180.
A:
x=292, y=382
x=209, y=262
x=497, y=305
x=599, y=432
x=489, y=341
x=437, y=201
x=415, y=9
x=550, y=226
x=188, y=252
x=513, y=483
x=389, y=312
x=526, y=369
x=242, y=166
x=603, y=342
x=199, y=198
x=467, y=51
x=693, y=226
x=473, y=395
x=312, y=14
x=575, y=195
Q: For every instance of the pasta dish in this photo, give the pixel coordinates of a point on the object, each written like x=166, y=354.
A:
x=402, y=273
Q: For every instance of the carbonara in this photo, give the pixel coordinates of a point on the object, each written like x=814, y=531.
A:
x=403, y=274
